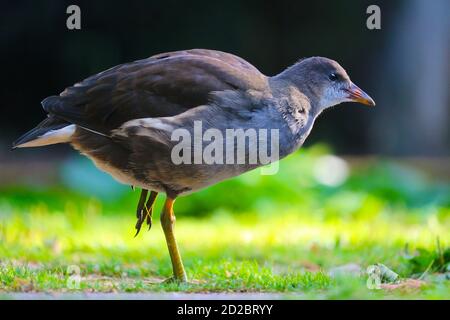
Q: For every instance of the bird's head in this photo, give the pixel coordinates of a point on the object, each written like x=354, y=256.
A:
x=325, y=82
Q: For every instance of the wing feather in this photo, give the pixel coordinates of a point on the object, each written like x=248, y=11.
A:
x=163, y=85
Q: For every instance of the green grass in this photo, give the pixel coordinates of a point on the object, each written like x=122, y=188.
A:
x=286, y=233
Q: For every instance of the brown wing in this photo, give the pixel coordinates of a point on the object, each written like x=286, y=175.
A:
x=163, y=85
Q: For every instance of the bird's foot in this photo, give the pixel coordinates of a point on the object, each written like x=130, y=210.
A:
x=174, y=279
x=145, y=210
x=145, y=215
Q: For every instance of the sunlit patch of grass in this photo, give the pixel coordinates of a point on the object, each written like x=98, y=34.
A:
x=222, y=253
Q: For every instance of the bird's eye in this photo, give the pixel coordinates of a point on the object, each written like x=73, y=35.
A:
x=333, y=77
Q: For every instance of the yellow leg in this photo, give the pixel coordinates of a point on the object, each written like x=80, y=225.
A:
x=167, y=223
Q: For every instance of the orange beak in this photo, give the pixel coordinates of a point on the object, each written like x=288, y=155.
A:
x=355, y=94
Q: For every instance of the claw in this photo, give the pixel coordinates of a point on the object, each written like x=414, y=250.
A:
x=149, y=207
x=149, y=221
x=144, y=212
x=139, y=211
x=139, y=224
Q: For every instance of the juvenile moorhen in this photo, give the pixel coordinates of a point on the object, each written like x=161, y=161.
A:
x=123, y=119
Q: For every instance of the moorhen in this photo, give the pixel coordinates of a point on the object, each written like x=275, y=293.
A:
x=124, y=119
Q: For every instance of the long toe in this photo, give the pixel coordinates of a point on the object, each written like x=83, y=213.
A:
x=173, y=279
x=141, y=204
x=149, y=220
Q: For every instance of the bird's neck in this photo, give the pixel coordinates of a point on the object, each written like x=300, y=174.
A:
x=297, y=132
x=299, y=112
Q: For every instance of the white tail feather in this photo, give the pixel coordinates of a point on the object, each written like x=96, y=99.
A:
x=51, y=137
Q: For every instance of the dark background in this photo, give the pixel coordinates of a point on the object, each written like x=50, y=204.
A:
x=404, y=66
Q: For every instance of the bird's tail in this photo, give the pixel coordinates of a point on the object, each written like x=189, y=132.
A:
x=50, y=131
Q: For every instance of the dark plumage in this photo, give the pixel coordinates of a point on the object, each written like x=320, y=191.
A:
x=124, y=118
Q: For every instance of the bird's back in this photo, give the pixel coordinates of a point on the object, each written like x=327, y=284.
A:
x=166, y=84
